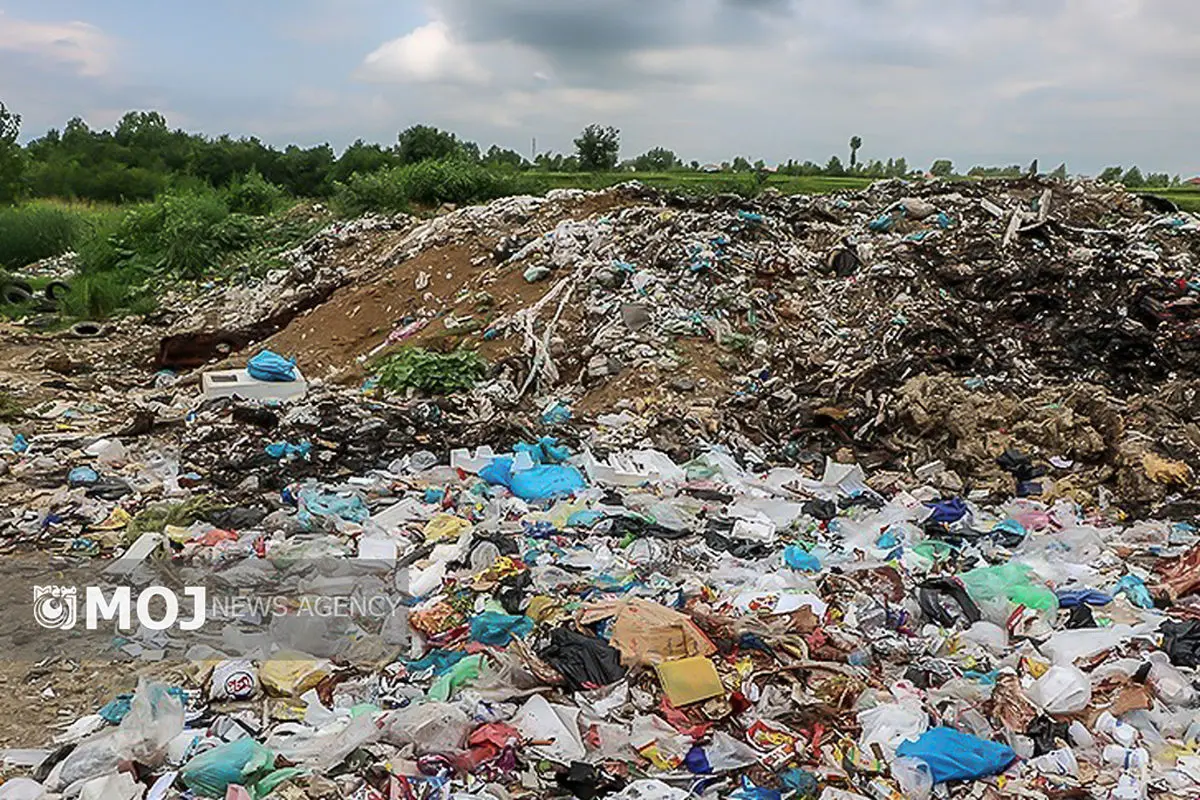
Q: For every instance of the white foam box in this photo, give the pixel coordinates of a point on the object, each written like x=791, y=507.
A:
x=226, y=383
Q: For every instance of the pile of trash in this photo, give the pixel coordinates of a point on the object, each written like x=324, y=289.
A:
x=879, y=495
x=632, y=627
x=807, y=323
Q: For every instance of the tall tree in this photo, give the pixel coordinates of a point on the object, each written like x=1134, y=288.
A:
x=598, y=148
x=942, y=168
x=12, y=158
x=659, y=159
x=1060, y=174
x=425, y=142
x=1112, y=174
x=834, y=167
x=1133, y=177
x=855, y=144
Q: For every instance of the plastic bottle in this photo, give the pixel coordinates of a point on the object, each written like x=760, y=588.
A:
x=1121, y=733
x=1057, y=762
x=1125, y=757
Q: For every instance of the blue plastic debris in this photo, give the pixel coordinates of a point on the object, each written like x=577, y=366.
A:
x=557, y=414
x=951, y=510
x=1069, y=598
x=1135, y=589
x=799, y=558
x=494, y=628
x=20, y=444
x=956, y=756
x=268, y=366
x=288, y=450
x=82, y=476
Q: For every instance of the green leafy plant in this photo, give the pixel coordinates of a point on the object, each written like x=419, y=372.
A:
x=435, y=373
x=254, y=194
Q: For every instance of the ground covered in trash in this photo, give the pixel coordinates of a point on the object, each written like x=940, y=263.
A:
x=878, y=494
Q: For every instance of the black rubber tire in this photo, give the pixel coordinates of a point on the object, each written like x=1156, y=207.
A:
x=56, y=290
x=13, y=293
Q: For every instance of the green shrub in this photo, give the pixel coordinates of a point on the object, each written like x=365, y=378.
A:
x=254, y=194
x=35, y=231
x=96, y=295
x=435, y=373
x=430, y=183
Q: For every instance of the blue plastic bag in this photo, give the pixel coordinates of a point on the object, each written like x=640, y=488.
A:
x=956, y=756
x=1069, y=598
x=1135, y=589
x=494, y=628
x=288, y=450
x=268, y=366
x=799, y=558
x=947, y=511
x=543, y=482
x=546, y=482
x=241, y=761
x=315, y=503
x=82, y=476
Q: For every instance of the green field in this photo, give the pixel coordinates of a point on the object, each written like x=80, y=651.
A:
x=703, y=182
x=1187, y=199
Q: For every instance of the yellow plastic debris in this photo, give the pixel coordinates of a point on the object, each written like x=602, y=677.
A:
x=689, y=680
x=291, y=673
x=445, y=526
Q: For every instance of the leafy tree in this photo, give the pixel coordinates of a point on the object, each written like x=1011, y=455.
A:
x=942, y=168
x=695, y=165
x=598, y=148
x=12, y=158
x=361, y=157
x=499, y=157
x=901, y=167
x=1133, y=177
x=740, y=164
x=834, y=167
x=658, y=159
x=1111, y=174
x=1158, y=180
x=424, y=143
x=855, y=144
x=1060, y=174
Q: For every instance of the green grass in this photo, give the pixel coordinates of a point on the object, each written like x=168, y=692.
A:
x=1187, y=198
x=746, y=184
x=35, y=231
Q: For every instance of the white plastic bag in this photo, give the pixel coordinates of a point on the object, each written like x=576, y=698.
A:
x=1062, y=690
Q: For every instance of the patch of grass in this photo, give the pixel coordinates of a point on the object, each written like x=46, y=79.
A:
x=11, y=409
x=435, y=373
x=35, y=231
x=1186, y=198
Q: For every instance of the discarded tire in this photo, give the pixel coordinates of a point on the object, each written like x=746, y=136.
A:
x=87, y=330
x=15, y=294
x=56, y=290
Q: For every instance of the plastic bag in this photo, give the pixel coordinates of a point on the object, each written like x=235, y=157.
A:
x=21, y=789
x=914, y=776
x=890, y=724
x=1013, y=580
x=241, y=761
x=1061, y=690
x=498, y=629
x=557, y=725
x=956, y=756
x=268, y=366
x=432, y=727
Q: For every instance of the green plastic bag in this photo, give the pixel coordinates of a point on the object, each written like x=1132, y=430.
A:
x=1015, y=582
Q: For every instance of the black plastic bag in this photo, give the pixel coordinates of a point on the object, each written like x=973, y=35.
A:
x=585, y=661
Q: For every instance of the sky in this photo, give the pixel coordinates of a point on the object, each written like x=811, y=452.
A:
x=1089, y=82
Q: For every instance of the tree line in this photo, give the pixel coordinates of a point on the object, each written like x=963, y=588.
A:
x=142, y=156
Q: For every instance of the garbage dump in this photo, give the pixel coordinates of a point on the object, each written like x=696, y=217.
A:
x=887, y=494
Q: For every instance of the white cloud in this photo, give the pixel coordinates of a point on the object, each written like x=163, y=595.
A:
x=84, y=47
x=428, y=54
